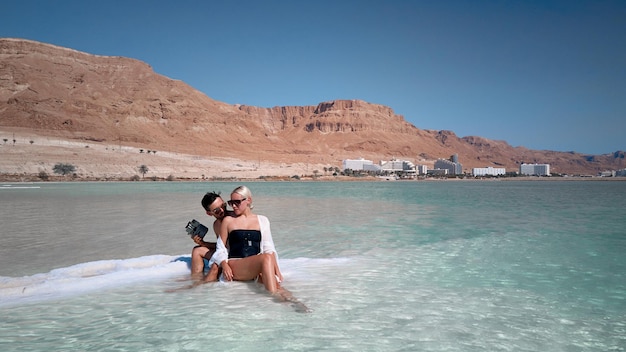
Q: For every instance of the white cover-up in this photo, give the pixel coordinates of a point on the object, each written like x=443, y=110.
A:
x=267, y=243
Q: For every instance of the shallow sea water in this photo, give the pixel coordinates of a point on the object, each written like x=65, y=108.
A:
x=384, y=266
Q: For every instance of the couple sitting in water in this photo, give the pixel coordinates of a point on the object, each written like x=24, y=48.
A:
x=251, y=253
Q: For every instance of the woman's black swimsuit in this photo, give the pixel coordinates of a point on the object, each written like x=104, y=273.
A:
x=244, y=243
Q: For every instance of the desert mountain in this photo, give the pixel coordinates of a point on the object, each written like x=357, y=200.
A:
x=65, y=94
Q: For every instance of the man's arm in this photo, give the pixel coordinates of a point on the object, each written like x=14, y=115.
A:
x=221, y=252
x=200, y=242
x=216, y=227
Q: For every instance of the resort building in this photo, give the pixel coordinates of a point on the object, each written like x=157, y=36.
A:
x=488, y=171
x=422, y=169
x=608, y=173
x=534, y=169
x=402, y=168
x=355, y=164
x=397, y=166
x=453, y=165
x=360, y=165
x=437, y=172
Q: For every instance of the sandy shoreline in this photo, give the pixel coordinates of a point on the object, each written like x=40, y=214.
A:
x=31, y=156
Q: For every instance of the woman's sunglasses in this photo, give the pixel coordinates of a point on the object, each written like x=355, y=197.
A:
x=236, y=202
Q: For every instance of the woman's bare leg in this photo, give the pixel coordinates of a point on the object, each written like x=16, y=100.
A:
x=250, y=267
x=263, y=266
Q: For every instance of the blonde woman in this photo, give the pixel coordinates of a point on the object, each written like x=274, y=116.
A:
x=251, y=251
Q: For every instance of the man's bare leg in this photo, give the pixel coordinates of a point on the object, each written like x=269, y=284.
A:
x=197, y=260
x=213, y=273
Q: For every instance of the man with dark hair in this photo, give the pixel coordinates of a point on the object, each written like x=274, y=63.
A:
x=215, y=206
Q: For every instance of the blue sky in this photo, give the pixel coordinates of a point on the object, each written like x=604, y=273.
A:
x=540, y=74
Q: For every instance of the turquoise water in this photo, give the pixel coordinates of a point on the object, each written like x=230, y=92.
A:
x=385, y=266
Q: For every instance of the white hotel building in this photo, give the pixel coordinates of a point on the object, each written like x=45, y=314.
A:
x=535, y=169
x=360, y=165
x=488, y=171
x=453, y=165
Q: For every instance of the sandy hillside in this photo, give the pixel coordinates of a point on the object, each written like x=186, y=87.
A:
x=104, y=161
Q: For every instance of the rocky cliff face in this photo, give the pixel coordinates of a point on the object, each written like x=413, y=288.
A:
x=64, y=93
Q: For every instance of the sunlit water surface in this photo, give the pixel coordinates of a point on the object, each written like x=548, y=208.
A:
x=384, y=266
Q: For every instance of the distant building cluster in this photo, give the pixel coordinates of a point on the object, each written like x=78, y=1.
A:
x=450, y=166
x=613, y=173
x=404, y=168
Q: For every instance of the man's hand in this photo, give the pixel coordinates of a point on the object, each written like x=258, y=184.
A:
x=200, y=242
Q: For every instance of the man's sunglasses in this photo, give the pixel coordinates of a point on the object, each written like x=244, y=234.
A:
x=236, y=202
x=219, y=209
